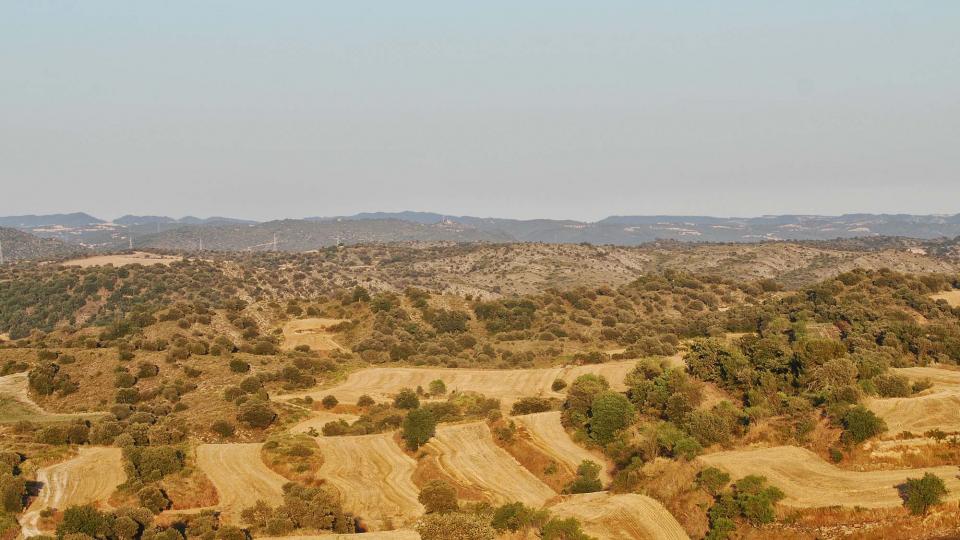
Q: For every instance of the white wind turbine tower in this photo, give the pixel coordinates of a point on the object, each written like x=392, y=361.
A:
x=1, y=251
x=274, y=241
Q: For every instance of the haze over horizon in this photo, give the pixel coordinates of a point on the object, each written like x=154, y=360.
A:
x=536, y=110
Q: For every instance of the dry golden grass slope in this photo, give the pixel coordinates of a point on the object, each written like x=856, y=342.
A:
x=547, y=434
x=935, y=408
x=810, y=482
x=90, y=477
x=374, y=478
x=621, y=517
x=507, y=385
x=240, y=476
x=467, y=453
x=138, y=257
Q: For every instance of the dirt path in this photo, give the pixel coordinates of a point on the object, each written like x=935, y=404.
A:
x=374, y=478
x=90, y=477
x=240, y=476
x=621, y=517
x=467, y=453
x=319, y=418
x=935, y=408
x=547, y=434
x=809, y=481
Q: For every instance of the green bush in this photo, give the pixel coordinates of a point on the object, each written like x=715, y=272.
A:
x=587, y=479
x=406, y=399
x=438, y=496
x=919, y=494
x=454, y=526
x=860, y=424
x=256, y=413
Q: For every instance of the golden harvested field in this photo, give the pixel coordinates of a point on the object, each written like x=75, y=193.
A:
x=547, y=434
x=317, y=420
x=16, y=405
x=936, y=408
x=621, y=517
x=400, y=534
x=939, y=410
x=374, y=478
x=467, y=453
x=240, y=476
x=952, y=297
x=138, y=257
x=91, y=477
x=313, y=332
x=507, y=385
x=810, y=482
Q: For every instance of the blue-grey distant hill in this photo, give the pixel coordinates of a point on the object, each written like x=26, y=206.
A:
x=317, y=232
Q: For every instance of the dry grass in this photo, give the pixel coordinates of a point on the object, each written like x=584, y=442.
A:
x=935, y=408
x=809, y=481
x=467, y=453
x=240, y=476
x=90, y=477
x=616, y=517
x=313, y=332
x=374, y=478
x=952, y=297
x=139, y=257
x=547, y=434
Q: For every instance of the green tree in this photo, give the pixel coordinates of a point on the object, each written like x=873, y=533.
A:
x=609, y=413
x=418, y=427
x=756, y=500
x=563, y=529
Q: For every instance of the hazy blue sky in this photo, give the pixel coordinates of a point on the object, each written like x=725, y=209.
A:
x=506, y=108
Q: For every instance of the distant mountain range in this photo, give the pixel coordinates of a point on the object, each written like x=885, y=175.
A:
x=226, y=233
x=17, y=245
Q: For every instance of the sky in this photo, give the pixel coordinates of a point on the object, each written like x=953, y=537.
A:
x=552, y=109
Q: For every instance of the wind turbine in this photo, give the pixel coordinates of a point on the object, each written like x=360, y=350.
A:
x=1, y=251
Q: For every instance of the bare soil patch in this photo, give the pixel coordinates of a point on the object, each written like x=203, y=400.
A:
x=240, y=476
x=374, y=478
x=91, y=477
x=616, y=517
x=313, y=332
x=467, y=453
x=808, y=481
x=139, y=257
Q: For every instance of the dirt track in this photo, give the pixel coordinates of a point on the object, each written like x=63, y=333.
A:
x=547, y=434
x=240, y=476
x=507, y=385
x=90, y=477
x=938, y=407
x=467, y=453
x=810, y=482
x=374, y=478
x=620, y=517
x=313, y=332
